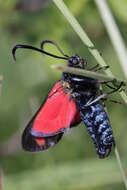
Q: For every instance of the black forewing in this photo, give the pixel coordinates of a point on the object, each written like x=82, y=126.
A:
x=30, y=143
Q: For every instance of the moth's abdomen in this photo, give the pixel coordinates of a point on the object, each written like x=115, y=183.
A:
x=99, y=128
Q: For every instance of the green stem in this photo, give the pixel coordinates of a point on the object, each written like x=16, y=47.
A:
x=83, y=36
x=121, y=167
x=113, y=32
x=81, y=33
x=1, y=78
x=85, y=39
x=87, y=73
x=119, y=46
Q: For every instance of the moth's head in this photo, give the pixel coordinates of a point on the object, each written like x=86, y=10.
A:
x=77, y=62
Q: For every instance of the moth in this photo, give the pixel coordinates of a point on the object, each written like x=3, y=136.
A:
x=72, y=100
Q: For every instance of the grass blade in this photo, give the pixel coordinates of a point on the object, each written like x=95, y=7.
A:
x=114, y=33
x=84, y=37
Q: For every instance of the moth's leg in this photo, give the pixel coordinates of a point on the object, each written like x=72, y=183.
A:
x=105, y=82
x=114, y=101
x=101, y=68
x=110, y=86
x=116, y=89
x=106, y=99
x=98, y=68
x=113, y=83
x=101, y=92
x=102, y=96
x=94, y=67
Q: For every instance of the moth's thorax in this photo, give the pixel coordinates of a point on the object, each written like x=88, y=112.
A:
x=66, y=86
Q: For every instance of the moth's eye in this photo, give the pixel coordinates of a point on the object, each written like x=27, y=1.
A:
x=75, y=61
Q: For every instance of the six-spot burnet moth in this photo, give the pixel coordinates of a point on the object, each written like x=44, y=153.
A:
x=73, y=99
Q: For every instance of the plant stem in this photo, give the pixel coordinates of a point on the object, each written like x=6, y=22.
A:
x=87, y=73
x=1, y=78
x=81, y=33
x=83, y=36
x=114, y=33
x=121, y=167
x=120, y=48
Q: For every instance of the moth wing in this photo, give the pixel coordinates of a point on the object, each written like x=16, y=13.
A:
x=53, y=118
x=76, y=120
x=56, y=115
x=34, y=144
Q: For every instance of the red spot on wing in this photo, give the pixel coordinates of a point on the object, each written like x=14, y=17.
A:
x=35, y=144
x=40, y=141
x=56, y=114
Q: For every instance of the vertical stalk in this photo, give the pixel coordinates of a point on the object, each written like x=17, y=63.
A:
x=121, y=51
x=114, y=33
x=1, y=78
x=121, y=167
x=84, y=37
x=81, y=33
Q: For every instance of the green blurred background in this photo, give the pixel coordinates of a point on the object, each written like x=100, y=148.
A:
x=73, y=163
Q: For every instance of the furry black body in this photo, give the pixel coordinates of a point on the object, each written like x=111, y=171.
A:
x=94, y=116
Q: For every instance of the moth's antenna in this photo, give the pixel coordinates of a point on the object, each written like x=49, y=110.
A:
x=55, y=44
x=35, y=49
